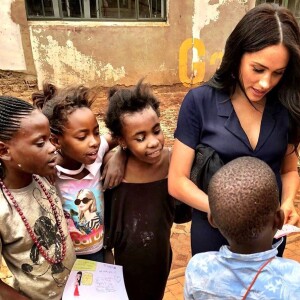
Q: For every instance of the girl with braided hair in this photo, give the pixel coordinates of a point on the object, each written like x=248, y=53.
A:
x=34, y=238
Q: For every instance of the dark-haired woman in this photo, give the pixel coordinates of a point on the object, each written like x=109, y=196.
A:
x=250, y=107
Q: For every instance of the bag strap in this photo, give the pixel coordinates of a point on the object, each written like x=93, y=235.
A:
x=254, y=279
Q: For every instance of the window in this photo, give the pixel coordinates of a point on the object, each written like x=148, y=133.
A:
x=293, y=5
x=104, y=10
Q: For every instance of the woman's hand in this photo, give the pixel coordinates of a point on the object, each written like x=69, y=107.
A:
x=290, y=214
x=290, y=185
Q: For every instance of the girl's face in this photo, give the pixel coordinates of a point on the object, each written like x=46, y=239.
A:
x=80, y=141
x=142, y=135
x=261, y=71
x=30, y=150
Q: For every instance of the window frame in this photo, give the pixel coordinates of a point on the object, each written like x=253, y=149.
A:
x=59, y=13
x=285, y=3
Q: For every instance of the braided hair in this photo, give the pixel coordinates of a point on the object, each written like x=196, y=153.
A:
x=57, y=105
x=12, y=110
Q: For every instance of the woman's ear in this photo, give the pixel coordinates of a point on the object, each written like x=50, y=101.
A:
x=278, y=219
x=4, y=151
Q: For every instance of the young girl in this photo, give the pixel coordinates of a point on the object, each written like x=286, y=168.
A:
x=140, y=209
x=34, y=239
x=75, y=133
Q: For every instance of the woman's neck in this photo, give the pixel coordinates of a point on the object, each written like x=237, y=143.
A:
x=240, y=98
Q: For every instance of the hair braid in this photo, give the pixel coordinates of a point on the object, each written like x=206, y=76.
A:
x=12, y=110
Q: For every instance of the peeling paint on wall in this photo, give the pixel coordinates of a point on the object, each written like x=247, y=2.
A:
x=69, y=65
x=204, y=13
x=11, y=50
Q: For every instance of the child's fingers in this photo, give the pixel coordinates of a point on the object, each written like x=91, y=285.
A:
x=103, y=173
x=108, y=182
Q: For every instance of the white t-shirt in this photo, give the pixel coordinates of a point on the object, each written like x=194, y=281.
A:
x=85, y=220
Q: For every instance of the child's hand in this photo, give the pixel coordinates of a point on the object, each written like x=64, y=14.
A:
x=113, y=169
x=109, y=257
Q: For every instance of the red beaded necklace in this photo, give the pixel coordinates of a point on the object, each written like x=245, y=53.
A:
x=30, y=231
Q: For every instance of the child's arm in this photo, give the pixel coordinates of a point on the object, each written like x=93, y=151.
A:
x=112, y=143
x=109, y=257
x=7, y=292
x=113, y=168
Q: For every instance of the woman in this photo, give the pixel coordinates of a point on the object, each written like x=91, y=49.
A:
x=250, y=107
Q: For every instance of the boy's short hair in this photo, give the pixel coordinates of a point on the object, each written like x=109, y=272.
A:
x=241, y=195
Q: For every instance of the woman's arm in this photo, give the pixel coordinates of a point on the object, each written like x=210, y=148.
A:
x=290, y=185
x=179, y=183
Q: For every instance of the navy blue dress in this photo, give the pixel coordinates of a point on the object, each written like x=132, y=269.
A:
x=207, y=116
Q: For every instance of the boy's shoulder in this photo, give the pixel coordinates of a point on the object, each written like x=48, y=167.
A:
x=202, y=260
x=283, y=264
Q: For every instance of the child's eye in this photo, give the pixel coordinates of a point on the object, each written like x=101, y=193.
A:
x=40, y=144
x=140, y=139
x=80, y=138
x=157, y=131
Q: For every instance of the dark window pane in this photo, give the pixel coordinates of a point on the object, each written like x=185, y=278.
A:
x=127, y=9
x=34, y=7
x=98, y=9
x=48, y=7
x=294, y=6
x=40, y=8
x=72, y=8
x=145, y=9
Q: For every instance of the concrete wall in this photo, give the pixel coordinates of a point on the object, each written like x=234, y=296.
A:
x=187, y=49
x=11, y=50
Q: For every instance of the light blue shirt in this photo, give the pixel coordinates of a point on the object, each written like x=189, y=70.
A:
x=227, y=275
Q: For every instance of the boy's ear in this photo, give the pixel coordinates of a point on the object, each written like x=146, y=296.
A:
x=4, y=151
x=278, y=219
x=54, y=139
x=211, y=220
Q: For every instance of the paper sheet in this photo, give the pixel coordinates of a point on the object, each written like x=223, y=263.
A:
x=286, y=229
x=94, y=280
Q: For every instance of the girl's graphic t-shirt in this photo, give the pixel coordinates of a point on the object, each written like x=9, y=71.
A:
x=83, y=205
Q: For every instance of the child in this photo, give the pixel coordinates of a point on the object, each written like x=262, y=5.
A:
x=75, y=133
x=244, y=203
x=34, y=239
x=140, y=211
